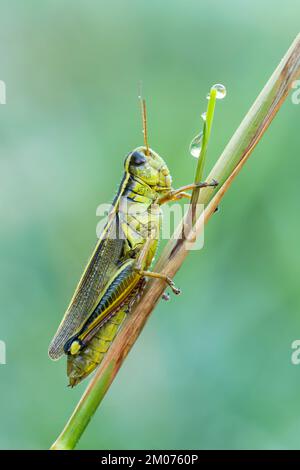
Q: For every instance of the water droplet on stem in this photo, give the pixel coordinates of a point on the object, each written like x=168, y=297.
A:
x=196, y=145
x=221, y=91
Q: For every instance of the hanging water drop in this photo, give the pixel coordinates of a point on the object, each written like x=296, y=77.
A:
x=196, y=145
x=203, y=115
x=221, y=91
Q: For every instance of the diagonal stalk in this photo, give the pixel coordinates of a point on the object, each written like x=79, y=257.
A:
x=225, y=170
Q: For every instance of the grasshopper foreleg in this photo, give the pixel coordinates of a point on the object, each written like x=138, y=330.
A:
x=179, y=193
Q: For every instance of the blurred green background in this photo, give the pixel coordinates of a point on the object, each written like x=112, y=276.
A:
x=212, y=369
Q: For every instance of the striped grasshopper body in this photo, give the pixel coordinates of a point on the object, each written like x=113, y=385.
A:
x=115, y=274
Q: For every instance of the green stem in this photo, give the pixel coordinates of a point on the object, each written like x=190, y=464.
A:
x=83, y=412
x=206, y=134
x=225, y=170
x=202, y=157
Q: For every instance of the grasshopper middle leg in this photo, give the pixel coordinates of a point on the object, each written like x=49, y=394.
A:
x=140, y=265
x=164, y=277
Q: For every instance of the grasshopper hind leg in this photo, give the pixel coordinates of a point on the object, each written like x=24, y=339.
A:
x=91, y=345
x=81, y=365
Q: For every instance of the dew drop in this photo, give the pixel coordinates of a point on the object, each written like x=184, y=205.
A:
x=196, y=145
x=221, y=91
x=203, y=115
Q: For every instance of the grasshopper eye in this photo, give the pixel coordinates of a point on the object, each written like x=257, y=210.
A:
x=137, y=158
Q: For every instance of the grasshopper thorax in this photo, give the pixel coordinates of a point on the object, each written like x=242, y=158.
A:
x=149, y=168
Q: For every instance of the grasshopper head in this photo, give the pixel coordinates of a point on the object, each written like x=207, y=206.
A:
x=150, y=169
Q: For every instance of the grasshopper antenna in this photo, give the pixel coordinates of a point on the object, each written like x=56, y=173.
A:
x=144, y=120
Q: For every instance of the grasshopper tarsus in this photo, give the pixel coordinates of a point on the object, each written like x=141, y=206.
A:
x=175, y=289
x=163, y=277
x=213, y=184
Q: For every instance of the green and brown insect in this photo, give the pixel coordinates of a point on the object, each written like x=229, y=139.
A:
x=115, y=274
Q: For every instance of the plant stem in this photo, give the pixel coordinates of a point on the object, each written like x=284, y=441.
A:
x=206, y=133
x=202, y=157
x=225, y=170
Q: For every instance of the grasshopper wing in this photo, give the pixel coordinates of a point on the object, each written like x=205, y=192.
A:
x=101, y=267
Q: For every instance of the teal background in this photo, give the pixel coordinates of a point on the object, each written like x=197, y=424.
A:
x=212, y=369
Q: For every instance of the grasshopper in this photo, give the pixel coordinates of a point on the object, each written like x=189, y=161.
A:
x=116, y=272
